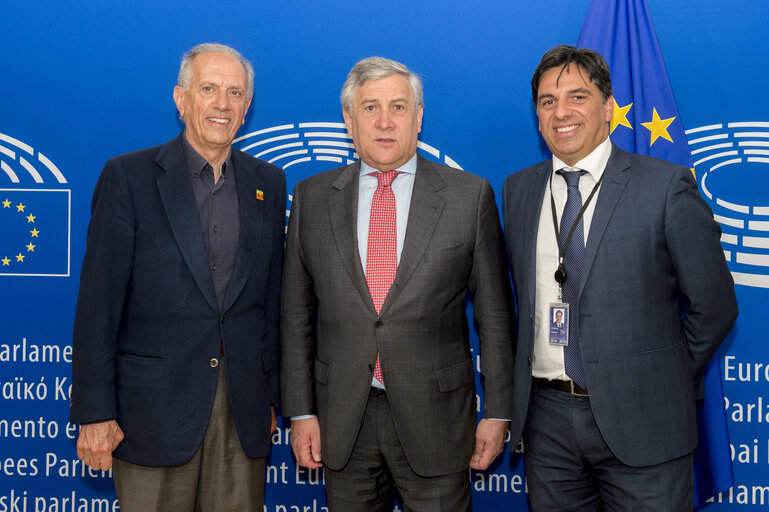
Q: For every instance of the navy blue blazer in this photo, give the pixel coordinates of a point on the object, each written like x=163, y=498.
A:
x=656, y=301
x=147, y=322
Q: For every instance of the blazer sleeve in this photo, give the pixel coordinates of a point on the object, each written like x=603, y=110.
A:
x=493, y=308
x=104, y=281
x=705, y=283
x=297, y=322
x=273, y=290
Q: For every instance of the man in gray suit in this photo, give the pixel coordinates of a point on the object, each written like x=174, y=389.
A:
x=376, y=367
x=627, y=244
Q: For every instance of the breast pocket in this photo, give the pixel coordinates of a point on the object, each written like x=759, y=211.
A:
x=445, y=254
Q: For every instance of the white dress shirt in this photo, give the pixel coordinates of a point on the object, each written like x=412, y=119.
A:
x=547, y=362
x=402, y=187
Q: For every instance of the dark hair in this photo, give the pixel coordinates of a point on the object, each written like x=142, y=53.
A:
x=586, y=60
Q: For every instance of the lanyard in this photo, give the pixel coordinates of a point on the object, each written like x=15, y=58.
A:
x=560, y=273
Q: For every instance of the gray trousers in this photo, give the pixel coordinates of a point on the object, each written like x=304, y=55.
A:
x=219, y=478
x=378, y=466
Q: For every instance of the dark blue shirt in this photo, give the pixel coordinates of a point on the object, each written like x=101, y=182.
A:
x=218, y=210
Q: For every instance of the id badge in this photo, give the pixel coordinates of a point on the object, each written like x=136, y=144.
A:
x=559, y=323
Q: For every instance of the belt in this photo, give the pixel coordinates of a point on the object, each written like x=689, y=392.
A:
x=566, y=386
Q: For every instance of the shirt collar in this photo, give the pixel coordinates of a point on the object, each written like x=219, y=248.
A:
x=196, y=162
x=409, y=167
x=594, y=163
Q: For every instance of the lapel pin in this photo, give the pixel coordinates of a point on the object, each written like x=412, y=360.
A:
x=259, y=195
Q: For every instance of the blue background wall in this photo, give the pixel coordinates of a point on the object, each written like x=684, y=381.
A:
x=81, y=82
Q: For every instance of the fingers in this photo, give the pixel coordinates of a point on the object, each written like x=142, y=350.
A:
x=273, y=420
x=305, y=442
x=489, y=443
x=96, y=443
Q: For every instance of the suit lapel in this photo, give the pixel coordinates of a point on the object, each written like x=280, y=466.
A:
x=178, y=199
x=616, y=177
x=251, y=213
x=426, y=208
x=343, y=212
x=532, y=211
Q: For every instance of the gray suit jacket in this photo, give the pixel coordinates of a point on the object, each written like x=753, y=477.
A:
x=656, y=301
x=453, y=246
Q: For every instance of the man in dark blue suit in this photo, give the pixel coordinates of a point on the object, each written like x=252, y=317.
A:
x=628, y=247
x=175, y=363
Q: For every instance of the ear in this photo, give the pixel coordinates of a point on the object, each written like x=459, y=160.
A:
x=420, y=112
x=347, y=120
x=245, y=111
x=609, y=107
x=179, y=99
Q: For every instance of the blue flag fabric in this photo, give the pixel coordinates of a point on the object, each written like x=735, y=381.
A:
x=34, y=232
x=646, y=122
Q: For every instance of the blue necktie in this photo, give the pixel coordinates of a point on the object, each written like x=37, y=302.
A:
x=572, y=263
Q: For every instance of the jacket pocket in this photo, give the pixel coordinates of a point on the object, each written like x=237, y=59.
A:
x=321, y=372
x=456, y=376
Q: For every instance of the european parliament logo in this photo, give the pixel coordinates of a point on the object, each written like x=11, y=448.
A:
x=34, y=217
x=310, y=148
x=730, y=162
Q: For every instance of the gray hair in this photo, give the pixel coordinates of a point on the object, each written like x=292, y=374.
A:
x=374, y=68
x=184, y=70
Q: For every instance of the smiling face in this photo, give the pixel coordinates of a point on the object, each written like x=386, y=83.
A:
x=214, y=105
x=573, y=118
x=384, y=122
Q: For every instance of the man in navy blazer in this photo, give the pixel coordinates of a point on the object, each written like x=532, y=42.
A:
x=613, y=428
x=175, y=363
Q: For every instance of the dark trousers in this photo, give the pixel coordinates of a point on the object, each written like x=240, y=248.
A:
x=569, y=467
x=378, y=466
x=219, y=478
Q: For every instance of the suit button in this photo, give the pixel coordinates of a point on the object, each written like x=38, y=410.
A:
x=221, y=319
x=213, y=363
x=378, y=324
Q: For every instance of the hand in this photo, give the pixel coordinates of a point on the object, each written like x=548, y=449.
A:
x=273, y=420
x=489, y=442
x=305, y=441
x=96, y=443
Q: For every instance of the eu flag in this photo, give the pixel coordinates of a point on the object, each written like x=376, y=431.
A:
x=34, y=232
x=646, y=122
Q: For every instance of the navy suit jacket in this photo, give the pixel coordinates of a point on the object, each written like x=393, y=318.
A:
x=656, y=301
x=148, y=324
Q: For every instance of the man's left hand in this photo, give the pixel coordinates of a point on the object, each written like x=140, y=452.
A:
x=489, y=442
x=273, y=420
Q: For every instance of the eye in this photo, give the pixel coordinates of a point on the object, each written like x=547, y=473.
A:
x=236, y=92
x=399, y=107
x=369, y=108
x=206, y=88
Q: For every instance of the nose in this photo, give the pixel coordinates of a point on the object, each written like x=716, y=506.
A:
x=222, y=100
x=562, y=110
x=384, y=120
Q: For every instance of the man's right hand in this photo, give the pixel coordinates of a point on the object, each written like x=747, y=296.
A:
x=305, y=441
x=96, y=443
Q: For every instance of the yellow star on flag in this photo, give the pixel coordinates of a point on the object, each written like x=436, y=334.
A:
x=20, y=257
x=6, y=261
x=6, y=204
x=658, y=127
x=34, y=232
x=30, y=247
x=20, y=207
x=31, y=218
x=619, y=116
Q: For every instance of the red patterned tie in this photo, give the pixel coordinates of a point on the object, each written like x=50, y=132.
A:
x=381, y=257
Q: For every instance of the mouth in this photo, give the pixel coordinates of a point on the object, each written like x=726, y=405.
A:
x=385, y=141
x=567, y=129
x=218, y=120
